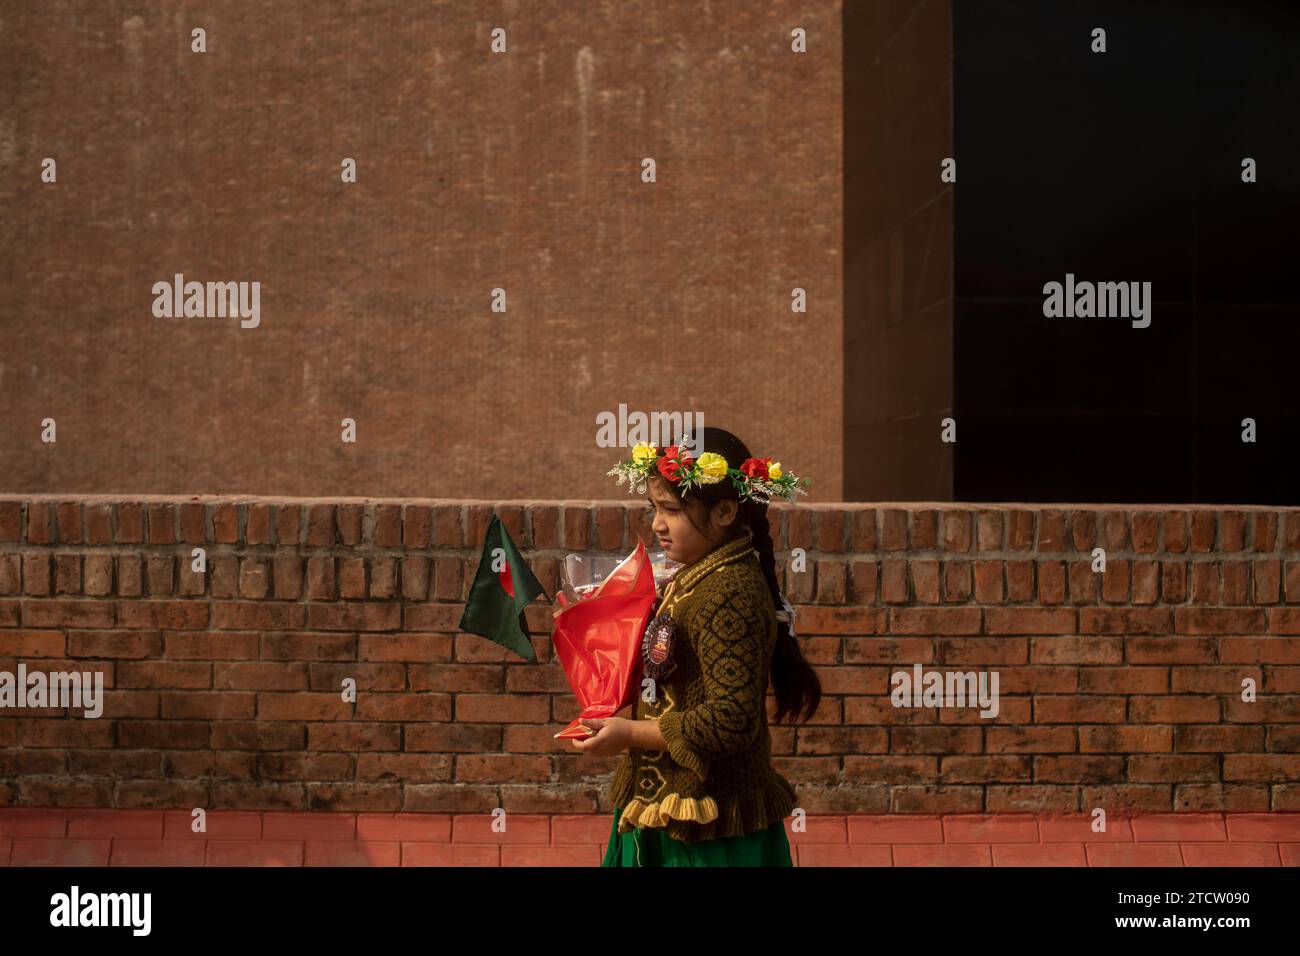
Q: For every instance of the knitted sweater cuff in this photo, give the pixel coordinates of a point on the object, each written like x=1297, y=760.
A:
x=670, y=725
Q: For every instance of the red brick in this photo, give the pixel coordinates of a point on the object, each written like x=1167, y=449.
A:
x=893, y=581
x=965, y=620
x=831, y=582
x=1204, y=530
x=1291, y=537
x=255, y=577
x=383, y=578
x=68, y=614
x=1030, y=621
x=957, y=527
x=1020, y=530
x=545, y=523
x=130, y=523
x=1020, y=581
x=494, y=708
x=416, y=526
x=102, y=644
x=1284, y=620
x=1114, y=530
x=40, y=523
x=1293, y=582
x=989, y=527
x=11, y=575
x=925, y=529
x=925, y=580
x=99, y=523
x=957, y=577
x=67, y=574
x=32, y=643
x=349, y=519
x=162, y=523
x=1233, y=531
x=11, y=519
x=1115, y=581
x=36, y=574
x=863, y=582
x=258, y=527
x=837, y=620
x=225, y=522
x=577, y=528
x=321, y=582
x=1052, y=533
x=369, y=616
x=609, y=527
x=69, y=522
x=1206, y=620
x=321, y=531
x=1083, y=530
x=831, y=529
x=893, y=536
x=799, y=531
x=415, y=577
x=1236, y=582
x=1267, y=575
x=863, y=539
x=388, y=526
x=988, y=582
x=1051, y=582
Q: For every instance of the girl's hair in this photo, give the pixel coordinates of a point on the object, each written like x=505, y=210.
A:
x=798, y=690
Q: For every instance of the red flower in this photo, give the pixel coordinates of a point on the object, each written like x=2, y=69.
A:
x=755, y=467
x=671, y=465
x=668, y=464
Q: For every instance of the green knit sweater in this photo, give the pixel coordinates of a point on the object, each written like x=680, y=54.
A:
x=715, y=780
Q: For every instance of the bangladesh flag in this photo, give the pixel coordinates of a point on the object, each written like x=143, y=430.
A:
x=503, y=587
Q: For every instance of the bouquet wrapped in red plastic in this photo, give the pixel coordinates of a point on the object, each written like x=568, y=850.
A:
x=597, y=637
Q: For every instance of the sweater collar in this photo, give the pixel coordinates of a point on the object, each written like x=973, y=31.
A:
x=735, y=550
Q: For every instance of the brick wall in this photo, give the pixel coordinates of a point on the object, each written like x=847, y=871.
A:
x=1119, y=690
x=475, y=171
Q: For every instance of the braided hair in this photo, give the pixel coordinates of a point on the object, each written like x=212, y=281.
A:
x=797, y=687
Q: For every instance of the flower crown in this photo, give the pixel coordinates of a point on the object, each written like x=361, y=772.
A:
x=757, y=478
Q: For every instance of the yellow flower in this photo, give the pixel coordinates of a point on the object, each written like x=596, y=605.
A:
x=711, y=468
x=643, y=454
x=774, y=470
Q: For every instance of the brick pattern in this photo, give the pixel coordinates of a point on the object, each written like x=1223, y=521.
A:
x=242, y=838
x=1120, y=690
x=448, y=139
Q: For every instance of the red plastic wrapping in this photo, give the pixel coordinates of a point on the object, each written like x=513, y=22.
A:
x=598, y=641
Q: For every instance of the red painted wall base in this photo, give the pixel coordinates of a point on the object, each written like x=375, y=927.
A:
x=73, y=837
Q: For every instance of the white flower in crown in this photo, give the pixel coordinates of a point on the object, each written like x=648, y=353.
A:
x=759, y=479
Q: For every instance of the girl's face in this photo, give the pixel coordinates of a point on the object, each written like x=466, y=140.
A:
x=679, y=538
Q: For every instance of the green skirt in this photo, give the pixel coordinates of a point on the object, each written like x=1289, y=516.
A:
x=649, y=846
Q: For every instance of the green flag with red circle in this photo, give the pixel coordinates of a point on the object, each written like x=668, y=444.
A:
x=502, y=588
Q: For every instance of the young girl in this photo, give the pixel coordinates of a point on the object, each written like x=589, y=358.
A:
x=697, y=787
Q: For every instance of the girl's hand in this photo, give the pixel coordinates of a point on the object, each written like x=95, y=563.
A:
x=614, y=735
